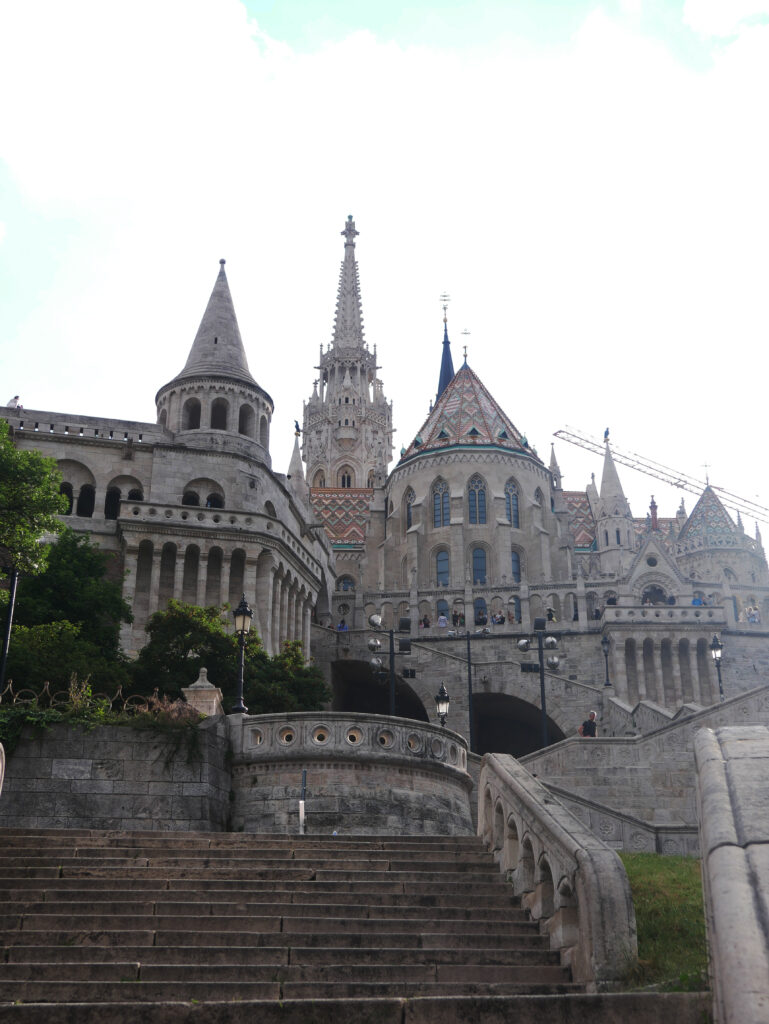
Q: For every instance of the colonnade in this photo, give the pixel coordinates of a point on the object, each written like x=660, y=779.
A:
x=211, y=574
x=670, y=670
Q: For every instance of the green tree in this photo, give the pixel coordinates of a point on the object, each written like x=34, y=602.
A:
x=185, y=638
x=75, y=587
x=29, y=504
x=53, y=652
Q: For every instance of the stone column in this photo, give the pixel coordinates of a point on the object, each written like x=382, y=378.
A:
x=153, y=593
x=290, y=613
x=283, y=618
x=200, y=598
x=525, y=609
x=181, y=551
x=306, y=622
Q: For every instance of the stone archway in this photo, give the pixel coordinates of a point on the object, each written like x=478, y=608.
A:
x=508, y=725
x=356, y=688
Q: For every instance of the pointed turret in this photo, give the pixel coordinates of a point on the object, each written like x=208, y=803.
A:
x=218, y=347
x=709, y=525
x=612, y=496
x=447, y=363
x=555, y=469
x=215, y=394
x=348, y=322
x=296, y=481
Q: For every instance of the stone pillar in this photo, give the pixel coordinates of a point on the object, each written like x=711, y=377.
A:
x=179, y=572
x=525, y=609
x=153, y=593
x=275, y=615
x=200, y=599
x=204, y=696
x=283, y=617
x=290, y=612
x=306, y=622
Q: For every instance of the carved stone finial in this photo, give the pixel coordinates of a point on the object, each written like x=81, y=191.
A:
x=349, y=231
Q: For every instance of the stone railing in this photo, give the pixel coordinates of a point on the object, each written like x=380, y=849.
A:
x=365, y=774
x=665, y=615
x=568, y=880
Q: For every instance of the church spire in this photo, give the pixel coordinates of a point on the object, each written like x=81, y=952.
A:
x=612, y=496
x=447, y=364
x=348, y=322
x=218, y=347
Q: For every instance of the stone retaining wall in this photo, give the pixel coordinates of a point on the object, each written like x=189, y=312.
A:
x=118, y=777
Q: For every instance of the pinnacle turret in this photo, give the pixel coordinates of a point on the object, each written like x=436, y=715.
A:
x=612, y=496
x=218, y=348
x=348, y=322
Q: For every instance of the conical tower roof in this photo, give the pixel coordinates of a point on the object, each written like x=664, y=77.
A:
x=218, y=347
x=709, y=525
x=612, y=497
x=447, y=363
x=348, y=322
x=467, y=416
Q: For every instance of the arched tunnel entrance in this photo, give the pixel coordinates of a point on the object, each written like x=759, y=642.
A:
x=509, y=725
x=356, y=688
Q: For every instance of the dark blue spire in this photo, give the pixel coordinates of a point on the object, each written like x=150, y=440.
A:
x=447, y=364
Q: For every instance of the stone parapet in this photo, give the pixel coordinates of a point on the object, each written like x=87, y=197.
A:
x=570, y=881
x=733, y=797
x=366, y=775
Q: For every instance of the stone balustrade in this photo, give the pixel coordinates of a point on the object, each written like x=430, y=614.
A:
x=569, y=881
x=665, y=614
x=366, y=774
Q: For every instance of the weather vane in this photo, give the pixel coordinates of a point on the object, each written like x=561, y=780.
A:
x=445, y=300
x=465, y=334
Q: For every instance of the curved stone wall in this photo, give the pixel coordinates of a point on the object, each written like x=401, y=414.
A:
x=366, y=775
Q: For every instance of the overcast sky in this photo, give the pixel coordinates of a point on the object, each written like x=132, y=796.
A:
x=589, y=182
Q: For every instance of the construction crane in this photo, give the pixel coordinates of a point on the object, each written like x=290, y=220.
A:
x=667, y=475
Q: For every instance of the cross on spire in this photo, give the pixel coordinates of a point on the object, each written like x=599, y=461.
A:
x=349, y=231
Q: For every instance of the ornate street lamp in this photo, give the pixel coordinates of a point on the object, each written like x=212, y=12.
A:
x=716, y=649
x=375, y=621
x=442, y=704
x=243, y=616
x=605, y=649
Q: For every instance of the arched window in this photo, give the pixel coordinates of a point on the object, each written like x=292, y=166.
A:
x=190, y=498
x=219, y=409
x=320, y=479
x=345, y=583
x=442, y=608
x=191, y=414
x=511, y=504
x=476, y=496
x=409, y=499
x=135, y=494
x=345, y=477
x=516, y=566
x=481, y=612
x=479, y=565
x=215, y=501
x=246, y=420
x=442, y=568
x=66, y=490
x=517, y=609
x=112, y=503
x=370, y=481
x=264, y=432
x=86, y=501
x=269, y=508
x=539, y=497
x=441, y=504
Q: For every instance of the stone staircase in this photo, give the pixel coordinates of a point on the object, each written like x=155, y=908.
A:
x=112, y=926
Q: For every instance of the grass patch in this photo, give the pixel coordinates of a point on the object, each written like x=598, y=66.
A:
x=667, y=894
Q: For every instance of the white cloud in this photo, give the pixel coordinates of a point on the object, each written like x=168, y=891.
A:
x=723, y=17
x=598, y=215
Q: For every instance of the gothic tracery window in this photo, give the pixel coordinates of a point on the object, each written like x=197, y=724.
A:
x=409, y=499
x=511, y=504
x=441, y=504
x=442, y=568
x=516, y=566
x=479, y=565
x=476, y=497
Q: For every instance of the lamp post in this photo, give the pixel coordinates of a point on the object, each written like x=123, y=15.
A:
x=442, y=704
x=544, y=643
x=471, y=731
x=605, y=649
x=716, y=649
x=243, y=616
x=375, y=621
x=14, y=581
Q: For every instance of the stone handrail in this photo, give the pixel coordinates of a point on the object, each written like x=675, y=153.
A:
x=568, y=880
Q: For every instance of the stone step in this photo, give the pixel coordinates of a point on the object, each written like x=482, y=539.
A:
x=10, y=852
x=519, y=950
x=67, y=838
x=564, y=1008
x=442, y=938
x=192, y=901
x=162, y=909
x=11, y=889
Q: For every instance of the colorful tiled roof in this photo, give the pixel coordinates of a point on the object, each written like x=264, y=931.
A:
x=581, y=519
x=344, y=512
x=466, y=415
x=709, y=525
